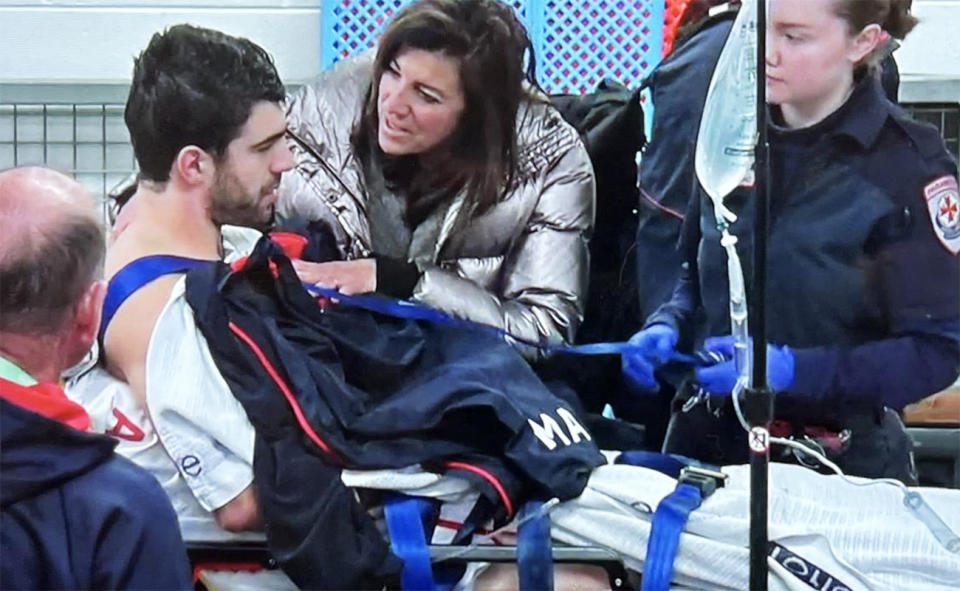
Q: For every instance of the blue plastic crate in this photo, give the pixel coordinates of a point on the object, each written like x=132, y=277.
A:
x=578, y=42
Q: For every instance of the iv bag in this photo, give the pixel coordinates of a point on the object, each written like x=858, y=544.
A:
x=728, y=127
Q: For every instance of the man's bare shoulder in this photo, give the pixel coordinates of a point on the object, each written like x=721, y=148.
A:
x=127, y=336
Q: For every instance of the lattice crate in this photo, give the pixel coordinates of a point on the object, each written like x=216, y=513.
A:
x=578, y=43
x=353, y=26
x=588, y=40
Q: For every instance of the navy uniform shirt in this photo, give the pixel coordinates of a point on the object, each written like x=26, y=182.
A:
x=678, y=88
x=863, y=280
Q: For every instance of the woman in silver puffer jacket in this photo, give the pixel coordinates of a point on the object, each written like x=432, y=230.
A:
x=444, y=177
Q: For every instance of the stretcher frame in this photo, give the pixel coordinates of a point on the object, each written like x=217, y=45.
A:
x=247, y=552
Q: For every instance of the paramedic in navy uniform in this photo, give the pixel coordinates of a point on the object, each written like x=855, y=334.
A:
x=863, y=285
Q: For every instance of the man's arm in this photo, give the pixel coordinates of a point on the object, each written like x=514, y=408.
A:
x=240, y=514
x=201, y=425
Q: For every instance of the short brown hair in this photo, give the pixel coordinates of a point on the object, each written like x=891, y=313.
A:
x=194, y=86
x=44, y=277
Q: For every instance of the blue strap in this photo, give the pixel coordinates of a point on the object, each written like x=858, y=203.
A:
x=407, y=540
x=668, y=464
x=668, y=522
x=138, y=273
x=411, y=311
x=534, y=553
x=673, y=511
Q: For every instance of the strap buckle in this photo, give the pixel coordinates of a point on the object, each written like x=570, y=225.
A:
x=705, y=479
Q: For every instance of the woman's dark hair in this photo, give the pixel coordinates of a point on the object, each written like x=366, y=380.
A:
x=496, y=59
x=893, y=16
x=194, y=86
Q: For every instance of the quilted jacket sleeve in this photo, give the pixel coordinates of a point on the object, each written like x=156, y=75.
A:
x=326, y=183
x=544, y=274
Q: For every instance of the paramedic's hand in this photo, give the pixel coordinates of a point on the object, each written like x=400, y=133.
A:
x=654, y=347
x=347, y=277
x=721, y=378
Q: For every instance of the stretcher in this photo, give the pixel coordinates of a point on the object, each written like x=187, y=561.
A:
x=821, y=527
x=220, y=566
x=934, y=425
x=825, y=532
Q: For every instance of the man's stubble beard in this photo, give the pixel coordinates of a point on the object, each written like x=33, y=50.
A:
x=226, y=209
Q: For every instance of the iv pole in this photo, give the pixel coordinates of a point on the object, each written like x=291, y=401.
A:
x=758, y=397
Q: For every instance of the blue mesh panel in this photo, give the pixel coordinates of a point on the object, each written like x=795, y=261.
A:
x=578, y=42
x=351, y=26
x=584, y=41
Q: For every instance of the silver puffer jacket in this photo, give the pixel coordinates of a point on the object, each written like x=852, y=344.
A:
x=520, y=266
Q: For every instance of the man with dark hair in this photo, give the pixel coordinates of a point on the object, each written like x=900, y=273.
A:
x=74, y=514
x=194, y=86
x=206, y=118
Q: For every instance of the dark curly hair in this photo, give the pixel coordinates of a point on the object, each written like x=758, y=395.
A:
x=194, y=86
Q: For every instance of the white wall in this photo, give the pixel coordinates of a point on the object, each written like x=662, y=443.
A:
x=76, y=51
x=932, y=47
x=81, y=51
x=94, y=41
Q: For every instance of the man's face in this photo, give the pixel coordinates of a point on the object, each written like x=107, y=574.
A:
x=245, y=188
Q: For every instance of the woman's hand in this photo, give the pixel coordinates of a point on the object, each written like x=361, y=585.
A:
x=347, y=277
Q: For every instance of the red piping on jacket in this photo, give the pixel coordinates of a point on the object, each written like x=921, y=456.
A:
x=287, y=393
x=657, y=205
x=305, y=425
x=489, y=478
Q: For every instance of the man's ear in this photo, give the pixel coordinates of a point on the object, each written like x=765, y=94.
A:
x=194, y=166
x=865, y=43
x=86, y=320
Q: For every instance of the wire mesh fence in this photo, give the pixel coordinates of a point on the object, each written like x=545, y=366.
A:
x=87, y=141
x=943, y=116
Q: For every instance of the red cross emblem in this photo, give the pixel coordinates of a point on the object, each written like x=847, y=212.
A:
x=948, y=208
x=943, y=204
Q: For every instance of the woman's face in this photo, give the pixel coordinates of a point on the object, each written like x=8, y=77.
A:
x=419, y=103
x=810, y=54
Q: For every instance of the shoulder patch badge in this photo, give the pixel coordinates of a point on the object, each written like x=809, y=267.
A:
x=943, y=203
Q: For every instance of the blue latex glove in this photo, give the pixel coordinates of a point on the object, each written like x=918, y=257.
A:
x=653, y=346
x=721, y=378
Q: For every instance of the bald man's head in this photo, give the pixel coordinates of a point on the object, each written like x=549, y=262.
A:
x=52, y=248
